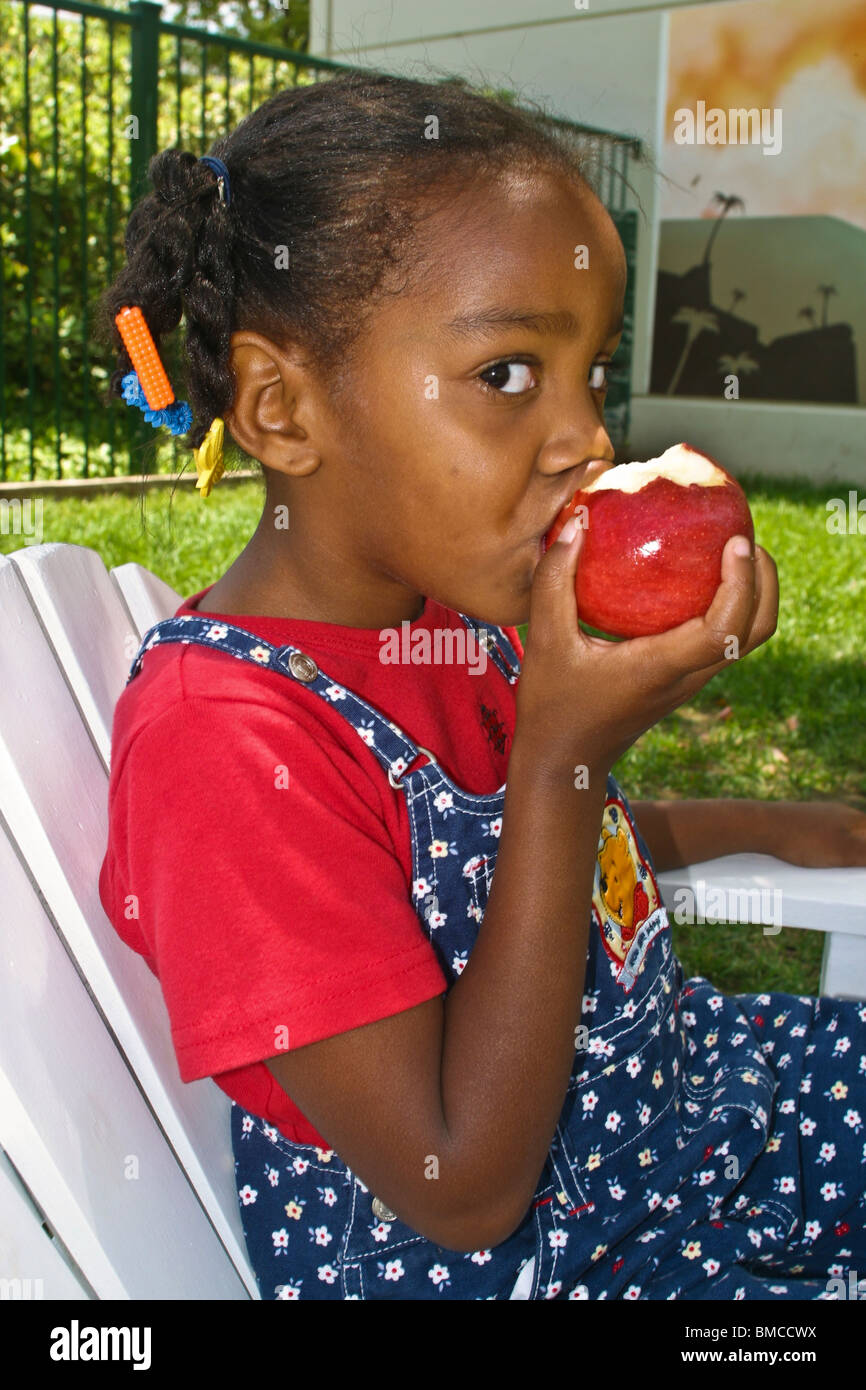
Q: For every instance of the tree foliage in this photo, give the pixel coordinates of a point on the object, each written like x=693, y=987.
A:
x=65, y=143
x=269, y=21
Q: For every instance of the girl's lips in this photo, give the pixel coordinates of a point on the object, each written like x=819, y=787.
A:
x=592, y=470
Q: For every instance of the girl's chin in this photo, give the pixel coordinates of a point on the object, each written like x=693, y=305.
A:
x=509, y=612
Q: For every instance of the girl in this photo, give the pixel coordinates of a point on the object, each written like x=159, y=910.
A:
x=446, y=1083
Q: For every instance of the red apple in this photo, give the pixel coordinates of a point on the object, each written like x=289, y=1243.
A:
x=655, y=532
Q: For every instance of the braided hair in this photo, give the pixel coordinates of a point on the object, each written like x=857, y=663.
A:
x=330, y=180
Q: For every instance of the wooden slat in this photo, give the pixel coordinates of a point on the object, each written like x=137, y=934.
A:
x=67, y=585
x=819, y=899
x=78, y=1130
x=86, y=623
x=53, y=795
x=30, y=1262
x=148, y=599
x=843, y=967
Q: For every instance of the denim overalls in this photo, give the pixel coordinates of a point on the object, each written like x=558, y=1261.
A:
x=709, y=1146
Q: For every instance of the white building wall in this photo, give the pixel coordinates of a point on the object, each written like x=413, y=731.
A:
x=338, y=26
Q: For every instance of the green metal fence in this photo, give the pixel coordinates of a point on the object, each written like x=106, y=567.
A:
x=88, y=95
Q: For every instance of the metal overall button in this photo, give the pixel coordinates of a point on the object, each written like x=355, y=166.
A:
x=395, y=781
x=381, y=1212
x=303, y=667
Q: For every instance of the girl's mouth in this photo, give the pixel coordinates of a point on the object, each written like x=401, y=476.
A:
x=590, y=472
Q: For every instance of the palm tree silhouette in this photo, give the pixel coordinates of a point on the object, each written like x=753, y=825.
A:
x=736, y=296
x=825, y=291
x=727, y=202
x=807, y=313
x=741, y=365
x=697, y=321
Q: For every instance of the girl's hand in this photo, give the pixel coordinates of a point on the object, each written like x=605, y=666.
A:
x=815, y=834
x=587, y=700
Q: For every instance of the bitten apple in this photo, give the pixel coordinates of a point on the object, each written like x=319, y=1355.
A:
x=655, y=532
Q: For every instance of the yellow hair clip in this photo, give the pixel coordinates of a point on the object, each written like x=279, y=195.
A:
x=209, y=461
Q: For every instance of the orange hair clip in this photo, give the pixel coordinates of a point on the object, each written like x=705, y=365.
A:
x=144, y=357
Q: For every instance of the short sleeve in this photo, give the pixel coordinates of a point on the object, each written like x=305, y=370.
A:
x=272, y=899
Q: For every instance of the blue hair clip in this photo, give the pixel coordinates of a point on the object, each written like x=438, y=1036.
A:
x=222, y=173
x=176, y=417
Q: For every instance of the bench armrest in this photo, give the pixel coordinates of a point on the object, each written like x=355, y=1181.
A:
x=819, y=899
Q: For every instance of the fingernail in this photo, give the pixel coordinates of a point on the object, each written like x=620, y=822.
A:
x=742, y=546
x=569, y=531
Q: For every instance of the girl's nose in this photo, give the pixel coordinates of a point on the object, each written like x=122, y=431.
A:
x=602, y=448
x=594, y=469
x=583, y=444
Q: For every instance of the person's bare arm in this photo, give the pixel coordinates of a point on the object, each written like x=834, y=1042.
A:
x=811, y=833
x=688, y=832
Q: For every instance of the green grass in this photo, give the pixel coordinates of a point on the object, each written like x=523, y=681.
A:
x=785, y=723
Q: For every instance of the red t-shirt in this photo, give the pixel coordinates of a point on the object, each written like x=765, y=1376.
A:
x=264, y=906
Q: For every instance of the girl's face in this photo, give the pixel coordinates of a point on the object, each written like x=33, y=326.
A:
x=477, y=405
x=468, y=414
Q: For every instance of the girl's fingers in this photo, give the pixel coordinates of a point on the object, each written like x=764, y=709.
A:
x=553, y=598
x=730, y=613
x=709, y=642
x=767, y=605
x=761, y=626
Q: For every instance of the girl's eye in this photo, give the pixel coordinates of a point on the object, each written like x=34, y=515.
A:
x=515, y=377
x=512, y=377
x=598, y=376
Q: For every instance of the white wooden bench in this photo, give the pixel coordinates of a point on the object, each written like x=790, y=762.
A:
x=117, y=1179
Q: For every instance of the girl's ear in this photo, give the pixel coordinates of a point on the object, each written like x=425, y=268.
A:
x=271, y=391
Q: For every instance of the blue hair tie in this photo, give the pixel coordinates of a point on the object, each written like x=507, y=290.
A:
x=177, y=417
x=222, y=174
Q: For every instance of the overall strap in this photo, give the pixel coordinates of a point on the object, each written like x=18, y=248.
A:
x=498, y=647
x=393, y=748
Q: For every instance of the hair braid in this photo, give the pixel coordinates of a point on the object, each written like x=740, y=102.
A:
x=179, y=263
x=208, y=302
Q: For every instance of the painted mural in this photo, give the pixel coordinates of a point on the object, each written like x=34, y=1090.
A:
x=762, y=256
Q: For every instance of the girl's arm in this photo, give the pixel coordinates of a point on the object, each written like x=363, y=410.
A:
x=814, y=834
x=446, y=1111
x=468, y=1087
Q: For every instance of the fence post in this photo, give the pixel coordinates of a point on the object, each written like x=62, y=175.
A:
x=143, y=104
x=145, y=89
x=618, y=402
